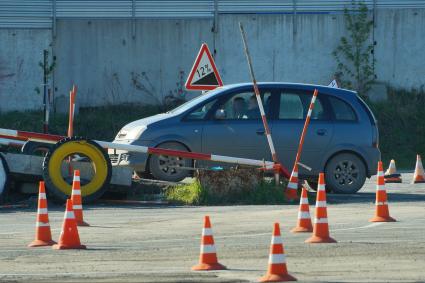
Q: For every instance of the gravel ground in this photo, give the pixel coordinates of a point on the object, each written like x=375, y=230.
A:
x=160, y=244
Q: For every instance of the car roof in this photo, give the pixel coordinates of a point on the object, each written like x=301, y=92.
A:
x=300, y=86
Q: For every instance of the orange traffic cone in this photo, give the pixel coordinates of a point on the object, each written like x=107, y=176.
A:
x=419, y=176
x=391, y=175
x=208, y=256
x=292, y=188
x=304, y=219
x=69, y=238
x=277, y=271
x=382, y=213
x=43, y=235
x=321, y=227
x=76, y=200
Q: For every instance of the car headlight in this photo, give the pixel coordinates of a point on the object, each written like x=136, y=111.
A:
x=131, y=134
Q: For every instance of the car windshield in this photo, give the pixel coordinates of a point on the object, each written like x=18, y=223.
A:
x=195, y=101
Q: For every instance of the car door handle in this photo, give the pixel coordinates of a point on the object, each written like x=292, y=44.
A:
x=260, y=132
x=321, y=132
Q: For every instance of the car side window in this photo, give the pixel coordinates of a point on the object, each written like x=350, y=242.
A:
x=295, y=105
x=242, y=106
x=200, y=112
x=342, y=110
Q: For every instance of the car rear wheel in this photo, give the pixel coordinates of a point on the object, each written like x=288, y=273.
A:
x=345, y=173
x=170, y=168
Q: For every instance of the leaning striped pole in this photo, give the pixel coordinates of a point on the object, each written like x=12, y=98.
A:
x=292, y=188
x=260, y=106
x=306, y=123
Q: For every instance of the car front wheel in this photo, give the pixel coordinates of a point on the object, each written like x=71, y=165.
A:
x=170, y=168
x=345, y=173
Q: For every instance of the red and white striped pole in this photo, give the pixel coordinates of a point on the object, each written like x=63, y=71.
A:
x=278, y=166
x=72, y=95
x=22, y=135
x=291, y=191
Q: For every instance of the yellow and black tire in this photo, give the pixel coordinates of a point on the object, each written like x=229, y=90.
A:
x=94, y=188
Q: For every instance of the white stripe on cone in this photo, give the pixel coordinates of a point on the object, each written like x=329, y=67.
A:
x=304, y=201
x=42, y=224
x=42, y=210
x=292, y=185
x=320, y=220
x=320, y=187
x=321, y=203
x=207, y=232
x=303, y=215
x=380, y=188
x=69, y=215
x=76, y=178
x=76, y=206
x=42, y=195
x=381, y=203
x=76, y=192
x=208, y=249
x=277, y=258
x=276, y=240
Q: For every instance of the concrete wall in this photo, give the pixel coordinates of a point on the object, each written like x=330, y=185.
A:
x=111, y=66
x=20, y=53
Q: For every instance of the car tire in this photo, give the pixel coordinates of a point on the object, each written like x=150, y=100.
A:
x=345, y=173
x=160, y=166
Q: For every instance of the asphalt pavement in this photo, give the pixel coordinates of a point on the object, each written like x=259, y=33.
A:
x=161, y=243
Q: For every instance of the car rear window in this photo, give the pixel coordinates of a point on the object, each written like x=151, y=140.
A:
x=342, y=110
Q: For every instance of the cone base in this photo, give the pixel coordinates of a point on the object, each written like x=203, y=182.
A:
x=40, y=243
x=277, y=278
x=317, y=240
x=300, y=229
x=65, y=247
x=208, y=266
x=418, y=182
x=382, y=219
x=83, y=224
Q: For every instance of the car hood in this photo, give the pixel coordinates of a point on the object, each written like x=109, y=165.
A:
x=147, y=121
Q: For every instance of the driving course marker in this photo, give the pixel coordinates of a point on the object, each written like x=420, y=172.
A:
x=204, y=74
x=278, y=166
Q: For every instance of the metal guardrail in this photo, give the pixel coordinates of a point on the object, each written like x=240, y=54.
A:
x=43, y=13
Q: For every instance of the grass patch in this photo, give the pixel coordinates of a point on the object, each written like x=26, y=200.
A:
x=401, y=122
x=194, y=194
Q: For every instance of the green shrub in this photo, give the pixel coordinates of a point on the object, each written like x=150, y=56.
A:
x=401, y=122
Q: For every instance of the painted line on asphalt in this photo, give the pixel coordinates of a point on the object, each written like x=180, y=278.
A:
x=361, y=227
x=152, y=271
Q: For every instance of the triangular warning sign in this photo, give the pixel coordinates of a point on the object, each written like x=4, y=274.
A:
x=333, y=84
x=204, y=74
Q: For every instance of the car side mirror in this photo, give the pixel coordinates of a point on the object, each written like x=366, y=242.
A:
x=220, y=114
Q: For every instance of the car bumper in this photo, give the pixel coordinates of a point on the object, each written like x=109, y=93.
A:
x=135, y=160
x=372, y=156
